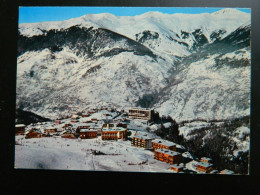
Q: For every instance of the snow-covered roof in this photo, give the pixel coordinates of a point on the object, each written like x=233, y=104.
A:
x=136, y=108
x=88, y=130
x=170, y=152
x=214, y=171
x=187, y=155
x=164, y=142
x=226, y=171
x=33, y=130
x=20, y=125
x=204, y=164
x=67, y=131
x=144, y=137
x=114, y=129
x=206, y=158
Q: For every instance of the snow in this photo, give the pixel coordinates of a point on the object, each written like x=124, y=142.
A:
x=189, y=127
x=241, y=138
x=201, y=90
x=164, y=24
x=204, y=91
x=76, y=154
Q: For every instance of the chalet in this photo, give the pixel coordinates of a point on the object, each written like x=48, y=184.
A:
x=160, y=143
x=80, y=126
x=68, y=134
x=143, y=141
x=114, y=133
x=227, y=172
x=75, y=116
x=205, y=159
x=85, y=115
x=33, y=133
x=96, y=126
x=58, y=121
x=60, y=129
x=140, y=113
x=167, y=156
x=19, y=129
x=87, y=121
x=111, y=125
x=94, y=120
x=204, y=167
x=88, y=133
x=74, y=121
x=177, y=168
x=66, y=125
x=91, y=112
x=50, y=130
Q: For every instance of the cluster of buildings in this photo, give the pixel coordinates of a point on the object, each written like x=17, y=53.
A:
x=168, y=152
x=85, y=127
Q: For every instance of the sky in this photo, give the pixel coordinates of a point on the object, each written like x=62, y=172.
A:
x=44, y=14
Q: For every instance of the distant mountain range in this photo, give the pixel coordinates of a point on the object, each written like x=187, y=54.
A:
x=183, y=65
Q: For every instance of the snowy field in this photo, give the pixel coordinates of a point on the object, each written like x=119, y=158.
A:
x=76, y=154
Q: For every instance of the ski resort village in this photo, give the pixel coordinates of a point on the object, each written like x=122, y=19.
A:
x=106, y=139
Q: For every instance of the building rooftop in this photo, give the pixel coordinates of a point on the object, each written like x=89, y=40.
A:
x=214, y=171
x=164, y=142
x=135, y=108
x=204, y=164
x=88, y=130
x=66, y=131
x=20, y=125
x=206, y=158
x=226, y=171
x=33, y=130
x=170, y=152
x=91, y=125
x=144, y=137
x=114, y=129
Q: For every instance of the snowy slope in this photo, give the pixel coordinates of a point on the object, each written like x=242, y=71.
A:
x=76, y=154
x=211, y=83
x=206, y=92
x=60, y=85
x=186, y=66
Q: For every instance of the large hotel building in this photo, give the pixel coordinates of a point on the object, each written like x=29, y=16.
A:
x=141, y=113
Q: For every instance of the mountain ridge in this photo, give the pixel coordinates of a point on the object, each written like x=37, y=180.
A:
x=81, y=66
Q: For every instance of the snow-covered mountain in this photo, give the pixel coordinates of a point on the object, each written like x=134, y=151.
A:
x=184, y=65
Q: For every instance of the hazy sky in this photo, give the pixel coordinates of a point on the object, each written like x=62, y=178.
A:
x=42, y=14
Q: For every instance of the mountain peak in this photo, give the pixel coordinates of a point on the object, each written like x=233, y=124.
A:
x=227, y=11
x=99, y=16
x=152, y=14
